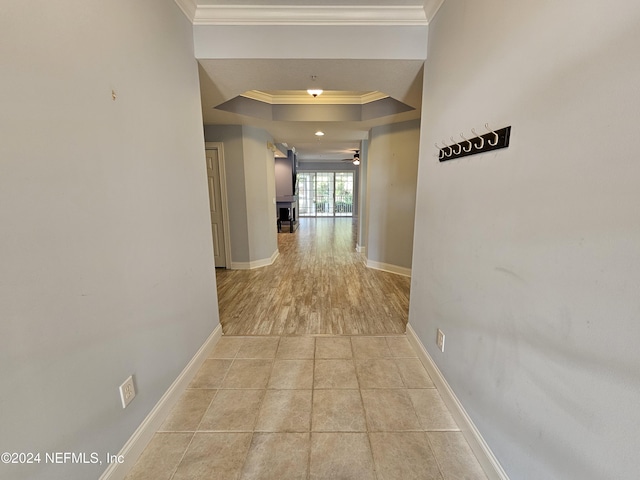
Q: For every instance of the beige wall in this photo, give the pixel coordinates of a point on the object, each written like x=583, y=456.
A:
x=528, y=258
x=392, y=164
x=250, y=170
x=260, y=184
x=233, y=145
x=105, y=245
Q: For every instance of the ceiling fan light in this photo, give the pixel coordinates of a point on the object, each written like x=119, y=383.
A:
x=356, y=161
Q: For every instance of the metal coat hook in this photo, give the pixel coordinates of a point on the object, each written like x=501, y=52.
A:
x=468, y=141
x=447, y=146
x=486, y=125
x=479, y=147
x=459, y=147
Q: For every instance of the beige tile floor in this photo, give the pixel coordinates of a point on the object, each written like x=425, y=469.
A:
x=305, y=407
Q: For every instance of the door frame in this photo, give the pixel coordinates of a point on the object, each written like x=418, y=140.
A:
x=223, y=198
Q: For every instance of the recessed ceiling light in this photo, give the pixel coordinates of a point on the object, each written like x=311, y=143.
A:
x=319, y=133
x=314, y=92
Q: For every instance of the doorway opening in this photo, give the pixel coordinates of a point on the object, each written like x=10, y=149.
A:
x=218, y=208
x=325, y=194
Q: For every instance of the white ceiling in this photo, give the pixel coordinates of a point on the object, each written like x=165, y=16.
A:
x=224, y=79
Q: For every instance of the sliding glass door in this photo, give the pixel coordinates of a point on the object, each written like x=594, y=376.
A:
x=343, y=194
x=325, y=194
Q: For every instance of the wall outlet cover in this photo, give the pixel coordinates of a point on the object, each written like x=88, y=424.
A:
x=127, y=391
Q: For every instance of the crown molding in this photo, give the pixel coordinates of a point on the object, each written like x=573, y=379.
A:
x=188, y=7
x=308, y=15
x=259, y=96
x=431, y=7
x=404, y=15
x=303, y=98
x=372, y=97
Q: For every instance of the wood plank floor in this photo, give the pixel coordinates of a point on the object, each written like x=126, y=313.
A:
x=318, y=285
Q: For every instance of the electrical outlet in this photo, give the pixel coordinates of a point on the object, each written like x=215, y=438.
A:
x=440, y=340
x=127, y=391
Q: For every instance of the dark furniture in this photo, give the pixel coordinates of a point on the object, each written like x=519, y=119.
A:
x=287, y=191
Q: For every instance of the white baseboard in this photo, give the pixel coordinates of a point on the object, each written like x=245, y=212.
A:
x=361, y=249
x=385, y=267
x=483, y=453
x=256, y=263
x=150, y=425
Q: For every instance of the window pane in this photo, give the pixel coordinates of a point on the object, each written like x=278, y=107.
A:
x=344, y=194
x=306, y=194
x=325, y=194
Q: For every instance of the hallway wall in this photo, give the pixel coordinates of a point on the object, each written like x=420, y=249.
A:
x=392, y=165
x=105, y=240
x=231, y=138
x=363, y=198
x=527, y=258
x=251, y=190
x=261, y=192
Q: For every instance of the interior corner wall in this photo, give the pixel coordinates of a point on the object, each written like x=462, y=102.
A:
x=527, y=258
x=392, y=165
x=251, y=191
x=233, y=144
x=260, y=185
x=363, y=197
x=105, y=244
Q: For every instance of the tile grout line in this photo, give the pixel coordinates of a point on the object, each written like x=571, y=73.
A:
x=184, y=454
x=313, y=384
x=193, y=436
x=255, y=422
x=366, y=420
x=435, y=457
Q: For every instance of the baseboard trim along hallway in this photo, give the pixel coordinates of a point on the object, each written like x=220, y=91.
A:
x=256, y=263
x=150, y=425
x=483, y=453
x=386, y=267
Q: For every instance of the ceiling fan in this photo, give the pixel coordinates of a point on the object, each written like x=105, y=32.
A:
x=356, y=158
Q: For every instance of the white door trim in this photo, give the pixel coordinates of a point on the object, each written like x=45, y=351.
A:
x=223, y=197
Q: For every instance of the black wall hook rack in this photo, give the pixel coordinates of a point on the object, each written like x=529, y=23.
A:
x=478, y=144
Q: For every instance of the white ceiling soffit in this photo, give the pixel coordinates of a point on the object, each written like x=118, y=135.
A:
x=321, y=112
x=240, y=14
x=224, y=79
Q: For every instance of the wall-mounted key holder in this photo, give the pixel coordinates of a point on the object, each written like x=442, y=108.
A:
x=493, y=140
